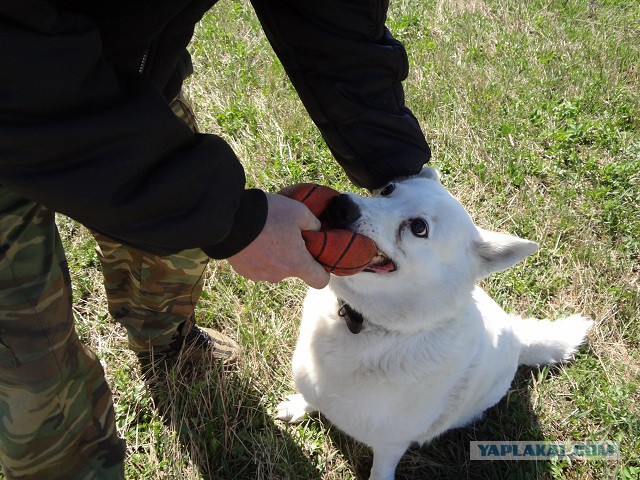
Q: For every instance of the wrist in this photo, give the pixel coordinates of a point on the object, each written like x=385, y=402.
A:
x=249, y=220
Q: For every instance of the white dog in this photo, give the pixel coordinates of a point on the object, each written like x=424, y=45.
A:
x=411, y=347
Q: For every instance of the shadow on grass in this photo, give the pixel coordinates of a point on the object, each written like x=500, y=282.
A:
x=224, y=427
x=447, y=457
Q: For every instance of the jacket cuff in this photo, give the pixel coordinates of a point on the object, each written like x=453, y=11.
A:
x=248, y=222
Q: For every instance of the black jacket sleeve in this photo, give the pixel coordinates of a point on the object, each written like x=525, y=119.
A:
x=104, y=147
x=347, y=69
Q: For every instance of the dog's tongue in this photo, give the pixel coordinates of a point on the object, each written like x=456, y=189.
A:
x=380, y=264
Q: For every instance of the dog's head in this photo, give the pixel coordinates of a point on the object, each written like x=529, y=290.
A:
x=430, y=251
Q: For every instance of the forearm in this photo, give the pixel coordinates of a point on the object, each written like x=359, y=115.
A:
x=105, y=149
x=347, y=69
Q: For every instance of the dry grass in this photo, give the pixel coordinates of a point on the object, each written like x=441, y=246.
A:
x=532, y=112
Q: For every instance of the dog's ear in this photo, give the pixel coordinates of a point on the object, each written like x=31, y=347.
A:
x=497, y=251
x=430, y=173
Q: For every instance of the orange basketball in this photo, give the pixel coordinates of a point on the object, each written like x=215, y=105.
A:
x=315, y=197
x=341, y=252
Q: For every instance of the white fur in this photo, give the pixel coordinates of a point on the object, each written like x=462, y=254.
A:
x=435, y=350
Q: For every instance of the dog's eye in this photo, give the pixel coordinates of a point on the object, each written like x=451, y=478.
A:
x=419, y=227
x=388, y=189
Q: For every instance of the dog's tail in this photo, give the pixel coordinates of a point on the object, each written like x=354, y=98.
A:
x=545, y=341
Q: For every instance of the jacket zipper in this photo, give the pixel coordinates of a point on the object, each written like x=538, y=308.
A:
x=143, y=62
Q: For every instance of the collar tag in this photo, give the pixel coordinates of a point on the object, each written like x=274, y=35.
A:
x=353, y=319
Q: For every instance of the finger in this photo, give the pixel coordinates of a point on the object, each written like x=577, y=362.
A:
x=315, y=276
x=308, y=221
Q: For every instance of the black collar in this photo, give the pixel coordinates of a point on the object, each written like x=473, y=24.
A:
x=353, y=318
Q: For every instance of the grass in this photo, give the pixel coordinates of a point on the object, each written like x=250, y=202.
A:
x=532, y=110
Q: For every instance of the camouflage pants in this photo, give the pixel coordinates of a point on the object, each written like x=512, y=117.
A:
x=55, y=405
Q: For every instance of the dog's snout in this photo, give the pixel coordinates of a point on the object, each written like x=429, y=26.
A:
x=342, y=211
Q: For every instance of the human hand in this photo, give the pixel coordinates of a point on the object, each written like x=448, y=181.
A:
x=279, y=251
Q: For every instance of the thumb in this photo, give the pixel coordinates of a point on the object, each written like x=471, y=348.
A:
x=307, y=220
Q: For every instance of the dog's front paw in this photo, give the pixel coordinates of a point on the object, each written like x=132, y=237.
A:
x=293, y=409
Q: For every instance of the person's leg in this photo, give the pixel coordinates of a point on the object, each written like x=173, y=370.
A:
x=153, y=296
x=55, y=405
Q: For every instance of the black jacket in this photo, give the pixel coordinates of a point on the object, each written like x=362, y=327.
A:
x=85, y=128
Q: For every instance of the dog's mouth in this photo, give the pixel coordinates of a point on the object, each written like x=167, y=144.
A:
x=381, y=264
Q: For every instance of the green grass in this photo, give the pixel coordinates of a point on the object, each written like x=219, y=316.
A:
x=532, y=110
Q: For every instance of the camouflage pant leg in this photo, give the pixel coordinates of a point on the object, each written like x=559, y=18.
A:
x=152, y=295
x=55, y=406
x=181, y=107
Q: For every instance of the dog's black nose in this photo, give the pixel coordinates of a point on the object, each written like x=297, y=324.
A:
x=341, y=212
